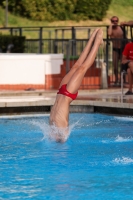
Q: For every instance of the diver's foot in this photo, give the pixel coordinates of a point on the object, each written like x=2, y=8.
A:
x=93, y=35
x=99, y=37
x=87, y=49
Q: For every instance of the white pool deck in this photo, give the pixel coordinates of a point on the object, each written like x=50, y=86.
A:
x=104, y=98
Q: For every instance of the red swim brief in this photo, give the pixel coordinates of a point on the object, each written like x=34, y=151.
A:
x=64, y=91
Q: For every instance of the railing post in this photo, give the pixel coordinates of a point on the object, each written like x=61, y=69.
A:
x=67, y=57
x=49, y=43
x=40, y=40
x=104, y=81
x=20, y=31
x=107, y=51
x=55, y=41
x=11, y=31
x=55, y=46
x=73, y=33
x=131, y=32
x=89, y=31
x=74, y=41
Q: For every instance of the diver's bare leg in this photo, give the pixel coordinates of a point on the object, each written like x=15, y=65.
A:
x=81, y=59
x=76, y=80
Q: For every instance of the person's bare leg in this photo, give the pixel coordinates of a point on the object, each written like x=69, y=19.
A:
x=115, y=64
x=81, y=59
x=131, y=66
x=75, y=81
x=130, y=76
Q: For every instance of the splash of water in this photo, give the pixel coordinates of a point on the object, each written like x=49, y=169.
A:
x=125, y=118
x=53, y=133
x=99, y=122
x=123, y=160
x=121, y=139
x=118, y=139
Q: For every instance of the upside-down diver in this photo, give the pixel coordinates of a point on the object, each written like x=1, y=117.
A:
x=68, y=89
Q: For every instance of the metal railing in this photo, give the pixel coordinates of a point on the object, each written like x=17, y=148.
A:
x=70, y=41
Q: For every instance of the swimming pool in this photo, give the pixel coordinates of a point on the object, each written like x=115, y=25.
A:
x=95, y=163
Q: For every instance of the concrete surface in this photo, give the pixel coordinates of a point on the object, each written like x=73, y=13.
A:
x=101, y=99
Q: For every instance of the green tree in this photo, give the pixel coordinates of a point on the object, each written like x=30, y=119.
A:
x=92, y=9
x=51, y=10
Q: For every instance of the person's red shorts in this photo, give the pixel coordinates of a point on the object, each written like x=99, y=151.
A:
x=64, y=91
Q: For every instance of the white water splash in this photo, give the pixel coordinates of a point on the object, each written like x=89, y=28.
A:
x=53, y=133
x=106, y=141
x=118, y=139
x=124, y=118
x=123, y=160
x=98, y=122
x=121, y=139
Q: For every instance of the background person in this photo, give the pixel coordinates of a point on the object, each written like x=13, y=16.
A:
x=116, y=32
x=127, y=65
x=68, y=89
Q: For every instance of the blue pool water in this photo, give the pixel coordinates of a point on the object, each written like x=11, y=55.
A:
x=95, y=163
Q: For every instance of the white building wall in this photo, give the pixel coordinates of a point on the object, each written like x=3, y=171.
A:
x=28, y=68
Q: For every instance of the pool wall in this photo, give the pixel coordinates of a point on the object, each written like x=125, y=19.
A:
x=73, y=109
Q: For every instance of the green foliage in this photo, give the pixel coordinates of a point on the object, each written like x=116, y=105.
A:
x=121, y=8
x=62, y=9
x=17, y=41
x=92, y=9
x=123, y=2
x=71, y=57
x=52, y=10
